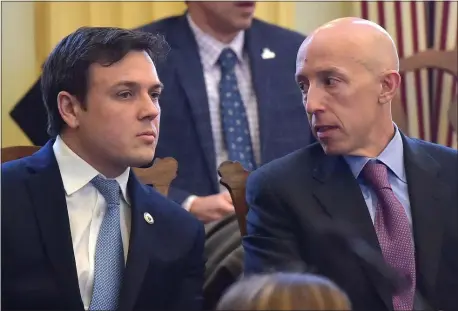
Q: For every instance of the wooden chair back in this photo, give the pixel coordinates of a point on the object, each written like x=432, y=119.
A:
x=429, y=59
x=234, y=177
x=160, y=175
x=17, y=152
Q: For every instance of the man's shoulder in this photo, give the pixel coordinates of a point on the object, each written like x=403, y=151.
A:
x=162, y=25
x=277, y=33
x=434, y=149
x=440, y=156
x=15, y=176
x=13, y=170
x=276, y=30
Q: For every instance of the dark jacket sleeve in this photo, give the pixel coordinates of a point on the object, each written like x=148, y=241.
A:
x=270, y=243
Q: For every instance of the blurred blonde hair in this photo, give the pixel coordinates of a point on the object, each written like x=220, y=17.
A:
x=284, y=291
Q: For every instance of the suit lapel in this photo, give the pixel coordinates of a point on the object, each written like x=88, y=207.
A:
x=260, y=73
x=340, y=195
x=48, y=197
x=189, y=68
x=427, y=194
x=143, y=238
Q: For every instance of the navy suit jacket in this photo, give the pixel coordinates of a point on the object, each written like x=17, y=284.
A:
x=186, y=132
x=291, y=199
x=165, y=264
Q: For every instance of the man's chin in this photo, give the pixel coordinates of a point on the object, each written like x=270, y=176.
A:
x=244, y=23
x=143, y=161
x=332, y=149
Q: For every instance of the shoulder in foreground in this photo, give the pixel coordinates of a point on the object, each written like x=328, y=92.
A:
x=11, y=169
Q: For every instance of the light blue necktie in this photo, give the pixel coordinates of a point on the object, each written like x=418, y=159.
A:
x=233, y=115
x=109, y=254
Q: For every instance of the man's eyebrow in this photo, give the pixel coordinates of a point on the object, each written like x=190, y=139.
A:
x=132, y=84
x=158, y=86
x=330, y=70
x=320, y=72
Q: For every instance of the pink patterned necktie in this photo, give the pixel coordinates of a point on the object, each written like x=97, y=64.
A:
x=393, y=232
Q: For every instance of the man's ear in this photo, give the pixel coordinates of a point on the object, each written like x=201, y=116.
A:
x=69, y=108
x=390, y=83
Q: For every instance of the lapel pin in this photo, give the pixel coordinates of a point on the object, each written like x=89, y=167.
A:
x=149, y=219
x=267, y=54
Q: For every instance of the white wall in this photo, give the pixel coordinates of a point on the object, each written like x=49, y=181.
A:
x=18, y=64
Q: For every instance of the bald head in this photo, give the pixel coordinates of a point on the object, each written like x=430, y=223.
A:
x=362, y=40
x=348, y=73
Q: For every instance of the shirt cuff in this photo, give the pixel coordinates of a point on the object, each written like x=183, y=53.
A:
x=188, y=202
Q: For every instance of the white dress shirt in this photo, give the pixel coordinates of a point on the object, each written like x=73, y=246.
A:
x=86, y=209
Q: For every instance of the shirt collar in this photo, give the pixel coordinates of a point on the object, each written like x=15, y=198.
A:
x=77, y=173
x=392, y=156
x=210, y=48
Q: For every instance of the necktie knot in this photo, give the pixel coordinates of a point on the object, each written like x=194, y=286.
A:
x=109, y=188
x=227, y=59
x=376, y=174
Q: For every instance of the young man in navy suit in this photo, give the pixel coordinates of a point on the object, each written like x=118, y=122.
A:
x=79, y=231
x=195, y=120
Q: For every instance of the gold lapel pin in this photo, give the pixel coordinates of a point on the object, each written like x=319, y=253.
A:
x=148, y=218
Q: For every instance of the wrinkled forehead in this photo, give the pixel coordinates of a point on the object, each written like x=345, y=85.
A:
x=321, y=54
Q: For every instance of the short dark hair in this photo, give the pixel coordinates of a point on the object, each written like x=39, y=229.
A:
x=66, y=68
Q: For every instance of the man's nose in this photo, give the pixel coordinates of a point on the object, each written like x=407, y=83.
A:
x=313, y=100
x=150, y=107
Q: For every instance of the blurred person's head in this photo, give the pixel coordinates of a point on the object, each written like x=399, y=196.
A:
x=347, y=70
x=222, y=20
x=284, y=291
x=101, y=93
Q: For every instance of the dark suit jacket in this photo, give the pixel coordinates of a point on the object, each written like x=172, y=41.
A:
x=186, y=131
x=289, y=197
x=165, y=264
